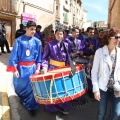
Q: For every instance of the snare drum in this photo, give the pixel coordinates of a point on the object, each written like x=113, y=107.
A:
x=56, y=86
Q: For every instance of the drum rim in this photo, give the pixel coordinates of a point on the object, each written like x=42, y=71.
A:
x=33, y=78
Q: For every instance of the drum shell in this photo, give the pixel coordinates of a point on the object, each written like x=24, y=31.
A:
x=63, y=87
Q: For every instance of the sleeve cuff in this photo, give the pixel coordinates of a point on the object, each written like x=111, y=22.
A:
x=11, y=69
x=95, y=88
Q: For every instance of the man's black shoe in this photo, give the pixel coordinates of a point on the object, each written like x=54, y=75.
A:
x=4, y=52
x=31, y=113
x=0, y=54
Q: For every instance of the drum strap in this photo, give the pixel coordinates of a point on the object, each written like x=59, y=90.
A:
x=51, y=85
x=73, y=68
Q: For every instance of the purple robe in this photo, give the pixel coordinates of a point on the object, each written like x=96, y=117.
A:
x=66, y=37
x=87, y=52
x=77, y=43
x=85, y=45
x=80, y=37
x=39, y=35
x=54, y=52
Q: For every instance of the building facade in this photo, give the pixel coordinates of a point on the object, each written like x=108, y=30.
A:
x=50, y=14
x=69, y=13
x=100, y=24
x=15, y=12
x=85, y=20
x=8, y=14
x=114, y=13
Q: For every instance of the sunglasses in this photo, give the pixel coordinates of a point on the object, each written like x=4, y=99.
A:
x=116, y=37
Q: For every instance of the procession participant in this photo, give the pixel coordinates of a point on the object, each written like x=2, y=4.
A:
x=66, y=34
x=55, y=56
x=90, y=45
x=80, y=36
x=100, y=36
x=76, y=51
x=38, y=34
x=24, y=61
x=51, y=36
x=96, y=33
x=75, y=43
x=106, y=75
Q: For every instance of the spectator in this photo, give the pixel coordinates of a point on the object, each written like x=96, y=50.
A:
x=20, y=31
x=106, y=75
x=3, y=38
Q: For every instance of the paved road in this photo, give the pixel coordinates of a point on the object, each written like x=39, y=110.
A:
x=18, y=112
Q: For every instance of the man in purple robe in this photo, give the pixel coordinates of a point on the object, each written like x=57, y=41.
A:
x=90, y=45
x=54, y=51
x=66, y=34
x=39, y=34
x=75, y=43
x=80, y=36
x=76, y=52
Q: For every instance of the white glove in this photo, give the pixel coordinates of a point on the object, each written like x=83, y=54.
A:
x=44, y=70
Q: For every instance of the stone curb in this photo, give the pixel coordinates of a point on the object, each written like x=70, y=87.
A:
x=13, y=101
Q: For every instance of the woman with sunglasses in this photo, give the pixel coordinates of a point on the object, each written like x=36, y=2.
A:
x=106, y=75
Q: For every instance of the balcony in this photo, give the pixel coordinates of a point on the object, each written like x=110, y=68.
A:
x=67, y=7
x=8, y=6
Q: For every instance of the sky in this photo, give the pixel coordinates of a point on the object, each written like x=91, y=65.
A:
x=97, y=9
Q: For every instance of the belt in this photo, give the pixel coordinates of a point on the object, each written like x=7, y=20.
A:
x=91, y=56
x=26, y=63
x=57, y=63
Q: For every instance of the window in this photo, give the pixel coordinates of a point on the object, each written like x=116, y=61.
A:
x=66, y=17
x=57, y=11
x=73, y=20
x=66, y=2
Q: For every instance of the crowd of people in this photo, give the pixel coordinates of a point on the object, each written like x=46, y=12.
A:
x=33, y=53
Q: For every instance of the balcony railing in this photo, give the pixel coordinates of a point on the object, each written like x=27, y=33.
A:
x=8, y=6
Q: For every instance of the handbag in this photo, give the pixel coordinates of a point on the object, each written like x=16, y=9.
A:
x=116, y=87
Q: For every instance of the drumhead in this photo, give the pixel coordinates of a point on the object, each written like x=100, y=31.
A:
x=59, y=72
